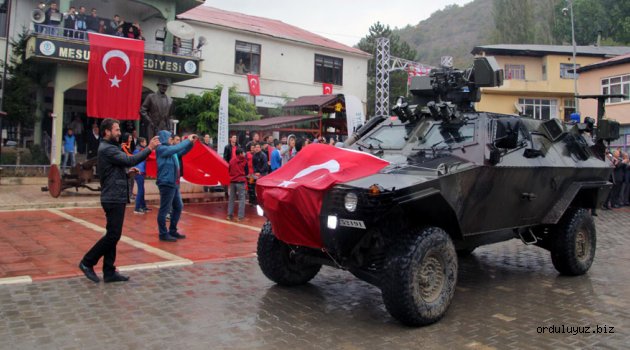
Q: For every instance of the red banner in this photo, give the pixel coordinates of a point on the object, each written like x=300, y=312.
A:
x=202, y=166
x=327, y=89
x=115, y=74
x=254, y=84
x=292, y=196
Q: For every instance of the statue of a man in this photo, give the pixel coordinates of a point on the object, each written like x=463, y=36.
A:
x=157, y=109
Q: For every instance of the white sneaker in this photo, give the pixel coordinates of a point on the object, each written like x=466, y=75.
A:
x=139, y=212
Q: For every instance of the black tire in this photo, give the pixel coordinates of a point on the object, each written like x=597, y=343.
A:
x=275, y=261
x=574, y=243
x=421, y=274
x=462, y=253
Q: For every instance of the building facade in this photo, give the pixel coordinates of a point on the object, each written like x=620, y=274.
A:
x=611, y=76
x=289, y=61
x=538, y=78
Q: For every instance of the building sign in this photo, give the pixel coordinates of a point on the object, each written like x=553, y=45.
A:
x=270, y=101
x=79, y=52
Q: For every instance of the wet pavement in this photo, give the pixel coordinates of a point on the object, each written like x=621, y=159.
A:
x=508, y=294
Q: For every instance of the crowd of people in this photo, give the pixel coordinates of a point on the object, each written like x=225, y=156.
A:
x=77, y=22
x=258, y=158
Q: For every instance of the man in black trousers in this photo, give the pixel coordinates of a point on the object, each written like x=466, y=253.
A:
x=112, y=170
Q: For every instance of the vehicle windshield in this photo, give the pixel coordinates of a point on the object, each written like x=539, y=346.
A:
x=440, y=136
x=386, y=137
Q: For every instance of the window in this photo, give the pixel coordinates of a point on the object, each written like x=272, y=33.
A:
x=544, y=72
x=616, y=85
x=328, y=70
x=538, y=108
x=438, y=137
x=386, y=138
x=566, y=70
x=247, y=58
x=515, y=71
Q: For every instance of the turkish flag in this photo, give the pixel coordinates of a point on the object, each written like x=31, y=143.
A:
x=292, y=196
x=202, y=166
x=254, y=84
x=327, y=89
x=115, y=74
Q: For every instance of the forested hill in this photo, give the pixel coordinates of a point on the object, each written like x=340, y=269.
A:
x=453, y=31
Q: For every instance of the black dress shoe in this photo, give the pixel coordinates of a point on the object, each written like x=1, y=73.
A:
x=116, y=277
x=89, y=272
x=177, y=235
x=168, y=238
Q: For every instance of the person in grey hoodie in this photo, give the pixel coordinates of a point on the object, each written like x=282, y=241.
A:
x=168, y=175
x=288, y=151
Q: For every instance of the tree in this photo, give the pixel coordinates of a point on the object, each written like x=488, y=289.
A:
x=592, y=18
x=24, y=78
x=513, y=21
x=200, y=112
x=398, y=48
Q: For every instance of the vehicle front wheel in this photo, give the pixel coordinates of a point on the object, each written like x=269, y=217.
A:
x=421, y=274
x=574, y=242
x=277, y=263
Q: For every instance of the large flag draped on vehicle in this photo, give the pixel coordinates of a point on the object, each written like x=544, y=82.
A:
x=202, y=166
x=115, y=73
x=292, y=196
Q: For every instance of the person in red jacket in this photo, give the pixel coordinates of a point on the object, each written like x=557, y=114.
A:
x=237, y=170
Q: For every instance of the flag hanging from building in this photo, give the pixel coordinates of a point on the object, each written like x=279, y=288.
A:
x=254, y=84
x=115, y=73
x=327, y=89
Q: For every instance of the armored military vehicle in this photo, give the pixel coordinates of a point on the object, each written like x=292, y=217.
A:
x=455, y=179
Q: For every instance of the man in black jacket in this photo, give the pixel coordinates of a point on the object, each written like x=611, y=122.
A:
x=112, y=164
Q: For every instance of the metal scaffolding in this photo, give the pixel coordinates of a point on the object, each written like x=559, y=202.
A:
x=386, y=63
x=382, y=77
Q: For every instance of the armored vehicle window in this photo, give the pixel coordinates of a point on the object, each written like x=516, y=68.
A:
x=450, y=136
x=387, y=137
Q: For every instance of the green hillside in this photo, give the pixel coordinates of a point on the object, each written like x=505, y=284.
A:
x=453, y=31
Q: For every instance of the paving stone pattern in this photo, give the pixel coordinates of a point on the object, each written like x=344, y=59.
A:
x=505, y=293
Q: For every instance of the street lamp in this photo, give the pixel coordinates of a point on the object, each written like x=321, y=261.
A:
x=575, y=92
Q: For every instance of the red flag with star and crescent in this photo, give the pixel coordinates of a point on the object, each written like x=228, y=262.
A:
x=254, y=84
x=115, y=73
x=292, y=196
x=327, y=89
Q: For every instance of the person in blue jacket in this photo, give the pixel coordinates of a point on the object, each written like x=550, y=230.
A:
x=168, y=175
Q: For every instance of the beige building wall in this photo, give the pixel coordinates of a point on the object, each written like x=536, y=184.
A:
x=287, y=68
x=590, y=83
x=543, y=83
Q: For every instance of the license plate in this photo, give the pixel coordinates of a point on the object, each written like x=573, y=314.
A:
x=352, y=223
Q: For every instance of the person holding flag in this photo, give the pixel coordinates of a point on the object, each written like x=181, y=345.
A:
x=168, y=177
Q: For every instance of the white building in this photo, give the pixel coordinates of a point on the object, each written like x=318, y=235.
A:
x=290, y=61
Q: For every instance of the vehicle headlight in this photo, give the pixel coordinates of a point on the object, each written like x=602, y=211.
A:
x=260, y=211
x=350, y=201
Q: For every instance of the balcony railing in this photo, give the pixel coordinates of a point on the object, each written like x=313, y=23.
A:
x=81, y=35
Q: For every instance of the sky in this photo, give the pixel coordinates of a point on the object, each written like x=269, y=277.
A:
x=345, y=21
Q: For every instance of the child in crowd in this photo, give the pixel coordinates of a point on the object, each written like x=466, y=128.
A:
x=237, y=172
x=141, y=205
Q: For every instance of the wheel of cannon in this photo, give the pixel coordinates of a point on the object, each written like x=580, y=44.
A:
x=54, y=181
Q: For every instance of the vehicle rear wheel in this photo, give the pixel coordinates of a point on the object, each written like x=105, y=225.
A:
x=420, y=278
x=574, y=243
x=277, y=263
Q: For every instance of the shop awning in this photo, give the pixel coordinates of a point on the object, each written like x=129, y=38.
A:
x=273, y=123
x=315, y=102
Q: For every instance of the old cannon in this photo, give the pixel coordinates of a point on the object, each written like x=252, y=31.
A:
x=80, y=175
